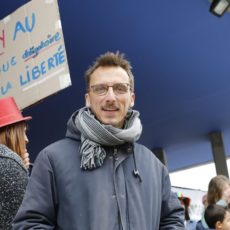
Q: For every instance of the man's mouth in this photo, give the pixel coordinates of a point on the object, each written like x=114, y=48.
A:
x=110, y=109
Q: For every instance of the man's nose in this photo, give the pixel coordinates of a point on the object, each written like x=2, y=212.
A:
x=110, y=94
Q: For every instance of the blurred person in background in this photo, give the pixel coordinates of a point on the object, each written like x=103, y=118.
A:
x=217, y=217
x=14, y=160
x=218, y=193
x=185, y=202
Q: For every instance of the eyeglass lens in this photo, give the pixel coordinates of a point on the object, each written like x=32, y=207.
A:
x=118, y=88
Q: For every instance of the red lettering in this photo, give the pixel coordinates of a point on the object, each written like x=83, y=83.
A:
x=2, y=39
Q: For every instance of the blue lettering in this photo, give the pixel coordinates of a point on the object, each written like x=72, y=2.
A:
x=61, y=57
x=6, y=66
x=50, y=63
x=35, y=73
x=19, y=26
x=6, y=88
x=33, y=51
x=13, y=61
x=57, y=36
x=43, y=68
x=25, y=81
x=27, y=23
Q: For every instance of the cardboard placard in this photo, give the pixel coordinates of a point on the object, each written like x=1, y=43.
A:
x=33, y=61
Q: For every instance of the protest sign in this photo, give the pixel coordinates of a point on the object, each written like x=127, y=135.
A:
x=33, y=61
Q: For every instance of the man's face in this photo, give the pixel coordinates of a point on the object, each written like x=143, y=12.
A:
x=110, y=108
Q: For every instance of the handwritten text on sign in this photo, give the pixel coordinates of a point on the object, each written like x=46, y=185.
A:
x=33, y=61
x=41, y=69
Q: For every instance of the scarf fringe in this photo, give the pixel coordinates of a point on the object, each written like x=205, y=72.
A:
x=94, y=135
x=92, y=154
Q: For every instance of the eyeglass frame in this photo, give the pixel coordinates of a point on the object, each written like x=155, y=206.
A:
x=108, y=86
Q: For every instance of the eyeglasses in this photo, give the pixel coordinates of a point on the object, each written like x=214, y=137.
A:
x=118, y=88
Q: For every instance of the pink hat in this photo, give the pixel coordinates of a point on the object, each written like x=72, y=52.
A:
x=10, y=113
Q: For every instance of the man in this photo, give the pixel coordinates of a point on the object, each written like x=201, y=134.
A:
x=98, y=177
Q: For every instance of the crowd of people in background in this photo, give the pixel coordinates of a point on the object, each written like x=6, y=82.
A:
x=216, y=210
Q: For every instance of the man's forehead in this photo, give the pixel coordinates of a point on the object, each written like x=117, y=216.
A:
x=109, y=71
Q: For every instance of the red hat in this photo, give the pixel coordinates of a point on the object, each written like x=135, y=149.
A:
x=10, y=113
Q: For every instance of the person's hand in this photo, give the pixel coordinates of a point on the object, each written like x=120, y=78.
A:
x=226, y=194
x=26, y=159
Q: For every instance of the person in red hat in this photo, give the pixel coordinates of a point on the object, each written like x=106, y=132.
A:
x=14, y=160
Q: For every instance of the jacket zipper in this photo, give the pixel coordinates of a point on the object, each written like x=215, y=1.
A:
x=115, y=155
x=115, y=158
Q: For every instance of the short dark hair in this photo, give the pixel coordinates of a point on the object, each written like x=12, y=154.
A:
x=110, y=59
x=214, y=213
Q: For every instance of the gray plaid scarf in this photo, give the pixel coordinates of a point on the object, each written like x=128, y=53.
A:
x=95, y=134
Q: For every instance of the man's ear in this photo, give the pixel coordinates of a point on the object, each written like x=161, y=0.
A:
x=87, y=100
x=218, y=225
x=132, y=100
